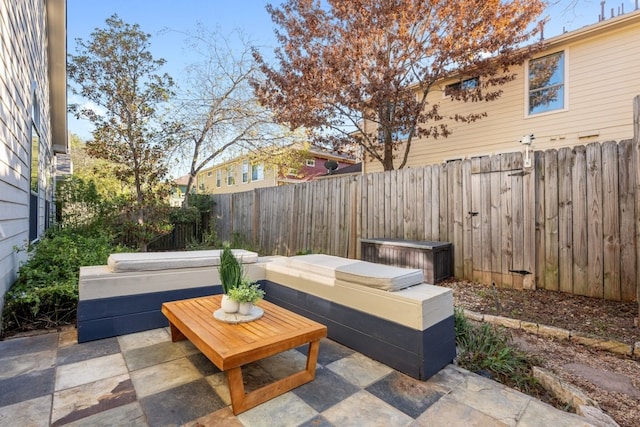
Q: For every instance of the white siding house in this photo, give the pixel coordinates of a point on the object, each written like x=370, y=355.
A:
x=33, y=127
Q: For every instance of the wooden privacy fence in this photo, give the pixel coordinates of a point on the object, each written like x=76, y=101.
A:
x=567, y=223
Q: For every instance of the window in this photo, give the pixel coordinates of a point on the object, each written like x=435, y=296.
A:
x=257, y=172
x=34, y=197
x=311, y=162
x=209, y=174
x=399, y=131
x=546, y=83
x=398, y=135
x=218, y=178
x=245, y=171
x=462, y=85
x=230, y=178
x=35, y=160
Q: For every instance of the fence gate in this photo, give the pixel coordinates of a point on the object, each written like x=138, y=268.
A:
x=502, y=220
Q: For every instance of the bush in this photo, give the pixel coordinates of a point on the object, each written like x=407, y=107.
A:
x=485, y=349
x=46, y=292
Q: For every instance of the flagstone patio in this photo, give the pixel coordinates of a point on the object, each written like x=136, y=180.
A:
x=144, y=379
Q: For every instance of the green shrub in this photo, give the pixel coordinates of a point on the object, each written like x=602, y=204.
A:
x=46, y=292
x=485, y=349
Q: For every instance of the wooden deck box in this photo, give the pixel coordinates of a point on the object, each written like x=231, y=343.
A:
x=435, y=259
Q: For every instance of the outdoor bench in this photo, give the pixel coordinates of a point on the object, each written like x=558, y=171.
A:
x=384, y=312
x=126, y=295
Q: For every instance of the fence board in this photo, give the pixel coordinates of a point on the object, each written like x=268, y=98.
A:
x=467, y=225
x=628, y=276
x=610, y=221
x=579, y=220
x=496, y=221
x=517, y=218
x=506, y=168
x=428, y=203
x=443, y=229
x=539, y=219
x=476, y=219
x=594, y=235
x=485, y=214
x=409, y=199
x=636, y=162
x=455, y=216
x=419, y=204
x=565, y=228
x=551, y=220
x=529, y=225
x=435, y=203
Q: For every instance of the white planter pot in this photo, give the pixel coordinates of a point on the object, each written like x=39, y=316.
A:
x=245, y=308
x=228, y=305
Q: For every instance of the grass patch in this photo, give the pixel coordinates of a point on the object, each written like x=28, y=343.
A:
x=485, y=349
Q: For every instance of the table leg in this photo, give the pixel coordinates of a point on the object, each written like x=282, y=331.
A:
x=312, y=357
x=176, y=335
x=240, y=401
x=236, y=389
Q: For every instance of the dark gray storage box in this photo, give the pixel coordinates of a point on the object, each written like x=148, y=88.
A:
x=435, y=259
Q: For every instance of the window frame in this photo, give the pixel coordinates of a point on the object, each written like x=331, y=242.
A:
x=461, y=83
x=245, y=171
x=231, y=179
x=310, y=163
x=258, y=168
x=218, y=178
x=35, y=178
x=565, y=85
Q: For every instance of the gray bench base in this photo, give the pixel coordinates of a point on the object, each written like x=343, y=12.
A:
x=419, y=354
x=110, y=317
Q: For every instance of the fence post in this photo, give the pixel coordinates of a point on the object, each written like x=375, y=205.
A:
x=636, y=144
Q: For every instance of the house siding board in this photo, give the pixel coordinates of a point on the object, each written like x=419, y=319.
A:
x=601, y=81
x=23, y=72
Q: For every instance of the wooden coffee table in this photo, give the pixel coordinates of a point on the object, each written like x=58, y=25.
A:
x=230, y=346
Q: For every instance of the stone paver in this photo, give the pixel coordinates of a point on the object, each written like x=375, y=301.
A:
x=34, y=412
x=87, y=371
x=144, y=379
x=359, y=369
x=155, y=379
x=362, y=409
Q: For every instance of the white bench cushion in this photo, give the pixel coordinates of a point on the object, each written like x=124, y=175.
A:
x=379, y=276
x=152, y=261
x=363, y=273
x=320, y=264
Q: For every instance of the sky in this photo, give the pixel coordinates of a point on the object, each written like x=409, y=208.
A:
x=167, y=21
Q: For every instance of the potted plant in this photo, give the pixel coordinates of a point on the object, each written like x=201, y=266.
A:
x=231, y=276
x=247, y=294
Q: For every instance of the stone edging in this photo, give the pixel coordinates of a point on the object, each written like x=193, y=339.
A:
x=551, y=331
x=567, y=393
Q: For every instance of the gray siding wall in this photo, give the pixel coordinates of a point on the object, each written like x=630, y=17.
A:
x=23, y=78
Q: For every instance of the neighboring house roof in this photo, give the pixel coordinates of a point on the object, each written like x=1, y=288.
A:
x=183, y=180
x=355, y=169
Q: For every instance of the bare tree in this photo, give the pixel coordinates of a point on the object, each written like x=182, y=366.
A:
x=218, y=109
